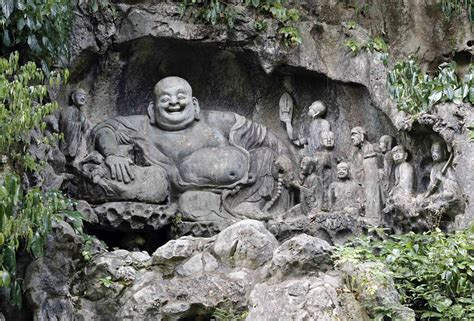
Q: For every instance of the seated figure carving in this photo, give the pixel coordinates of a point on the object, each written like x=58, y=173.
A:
x=434, y=208
x=443, y=199
x=400, y=198
x=178, y=148
x=345, y=195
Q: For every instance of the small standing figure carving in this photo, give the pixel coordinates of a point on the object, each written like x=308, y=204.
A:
x=310, y=185
x=312, y=137
x=325, y=161
x=366, y=173
x=286, y=113
x=73, y=125
x=386, y=174
x=345, y=195
x=404, y=185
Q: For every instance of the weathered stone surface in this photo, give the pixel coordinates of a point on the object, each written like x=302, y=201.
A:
x=185, y=278
x=49, y=278
x=177, y=251
x=137, y=43
x=374, y=286
x=301, y=254
x=118, y=55
x=312, y=298
x=245, y=244
x=128, y=216
x=198, y=264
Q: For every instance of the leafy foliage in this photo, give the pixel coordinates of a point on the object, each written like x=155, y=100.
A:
x=23, y=106
x=26, y=217
x=415, y=91
x=41, y=27
x=376, y=44
x=227, y=312
x=451, y=7
x=218, y=11
x=25, y=221
x=433, y=272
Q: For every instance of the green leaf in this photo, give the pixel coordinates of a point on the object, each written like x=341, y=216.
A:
x=9, y=258
x=435, y=97
x=37, y=245
x=16, y=294
x=21, y=23
x=6, y=39
x=7, y=7
x=33, y=43
x=5, y=279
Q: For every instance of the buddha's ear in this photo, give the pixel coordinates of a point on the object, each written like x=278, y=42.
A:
x=151, y=112
x=196, y=109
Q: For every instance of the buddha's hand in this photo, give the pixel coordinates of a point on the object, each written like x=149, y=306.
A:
x=120, y=168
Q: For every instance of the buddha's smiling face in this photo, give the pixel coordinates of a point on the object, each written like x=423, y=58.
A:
x=175, y=107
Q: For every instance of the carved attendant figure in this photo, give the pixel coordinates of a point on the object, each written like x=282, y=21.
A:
x=312, y=141
x=73, y=124
x=325, y=161
x=310, y=185
x=443, y=185
x=404, y=185
x=386, y=177
x=366, y=172
x=344, y=194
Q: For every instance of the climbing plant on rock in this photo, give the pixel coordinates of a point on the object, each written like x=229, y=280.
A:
x=415, y=90
x=26, y=217
x=38, y=29
x=217, y=11
x=23, y=106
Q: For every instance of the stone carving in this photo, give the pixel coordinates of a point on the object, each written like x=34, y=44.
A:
x=436, y=207
x=311, y=138
x=286, y=113
x=326, y=162
x=178, y=149
x=386, y=143
x=310, y=186
x=399, y=202
x=365, y=171
x=443, y=196
x=404, y=185
x=73, y=125
x=345, y=195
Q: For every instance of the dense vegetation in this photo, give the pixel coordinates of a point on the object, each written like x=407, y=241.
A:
x=415, y=90
x=218, y=11
x=433, y=272
x=454, y=7
x=39, y=30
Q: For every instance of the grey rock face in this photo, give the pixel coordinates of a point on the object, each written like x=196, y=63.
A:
x=311, y=298
x=301, y=254
x=376, y=288
x=191, y=277
x=245, y=244
x=141, y=175
x=128, y=216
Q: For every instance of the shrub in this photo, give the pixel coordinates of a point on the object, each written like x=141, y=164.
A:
x=217, y=11
x=23, y=105
x=41, y=27
x=415, y=91
x=433, y=271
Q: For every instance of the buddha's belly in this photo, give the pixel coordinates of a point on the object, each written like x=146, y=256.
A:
x=215, y=166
